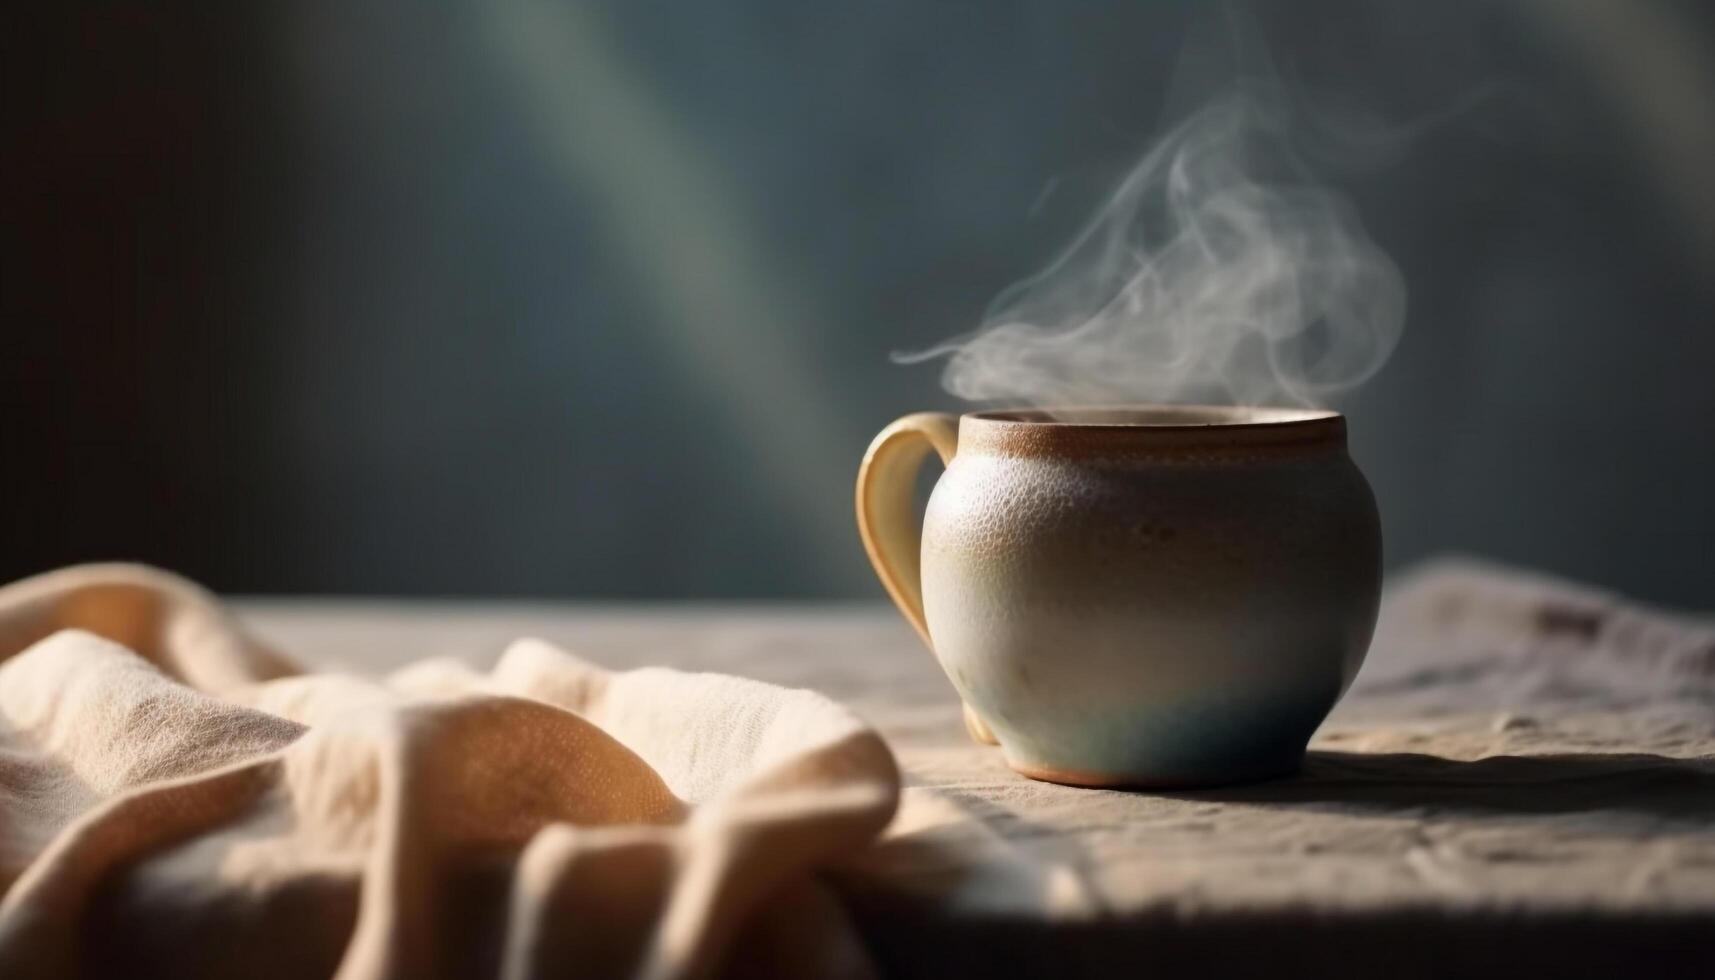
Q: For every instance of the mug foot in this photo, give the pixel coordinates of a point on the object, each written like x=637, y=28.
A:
x=1088, y=779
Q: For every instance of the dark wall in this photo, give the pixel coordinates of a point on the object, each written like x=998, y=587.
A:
x=596, y=299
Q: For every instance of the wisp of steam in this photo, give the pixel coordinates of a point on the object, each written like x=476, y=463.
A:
x=1218, y=271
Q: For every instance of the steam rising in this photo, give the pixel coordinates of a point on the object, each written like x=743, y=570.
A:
x=1216, y=272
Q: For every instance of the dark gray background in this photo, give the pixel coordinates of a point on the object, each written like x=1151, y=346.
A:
x=596, y=299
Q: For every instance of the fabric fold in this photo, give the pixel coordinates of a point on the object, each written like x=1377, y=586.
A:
x=177, y=798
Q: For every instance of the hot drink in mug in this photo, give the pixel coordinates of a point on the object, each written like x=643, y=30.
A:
x=1133, y=596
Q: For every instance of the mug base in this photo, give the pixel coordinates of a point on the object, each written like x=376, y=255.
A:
x=1088, y=779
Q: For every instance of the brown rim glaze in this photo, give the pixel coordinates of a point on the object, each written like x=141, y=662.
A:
x=1101, y=780
x=1189, y=430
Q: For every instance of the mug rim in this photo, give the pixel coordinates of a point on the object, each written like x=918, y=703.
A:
x=1159, y=431
x=1156, y=416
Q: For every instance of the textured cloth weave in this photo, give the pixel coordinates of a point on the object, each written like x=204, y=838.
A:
x=178, y=799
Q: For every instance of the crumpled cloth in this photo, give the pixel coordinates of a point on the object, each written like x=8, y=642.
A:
x=178, y=799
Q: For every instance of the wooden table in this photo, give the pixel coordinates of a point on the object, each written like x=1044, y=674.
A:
x=1522, y=781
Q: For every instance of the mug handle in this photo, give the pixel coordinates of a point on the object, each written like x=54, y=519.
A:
x=890, y=531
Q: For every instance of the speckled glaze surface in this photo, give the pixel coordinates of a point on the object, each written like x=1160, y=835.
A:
x=1151, y=596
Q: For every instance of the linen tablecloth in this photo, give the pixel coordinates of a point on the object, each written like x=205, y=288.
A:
x=1522, y=780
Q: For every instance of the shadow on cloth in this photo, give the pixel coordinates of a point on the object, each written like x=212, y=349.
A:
x=1404, y=941
x=1647, y=785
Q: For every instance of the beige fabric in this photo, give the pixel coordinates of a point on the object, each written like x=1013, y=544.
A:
x=176, y=798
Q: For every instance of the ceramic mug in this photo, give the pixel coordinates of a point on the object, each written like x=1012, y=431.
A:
x=1133, y=596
